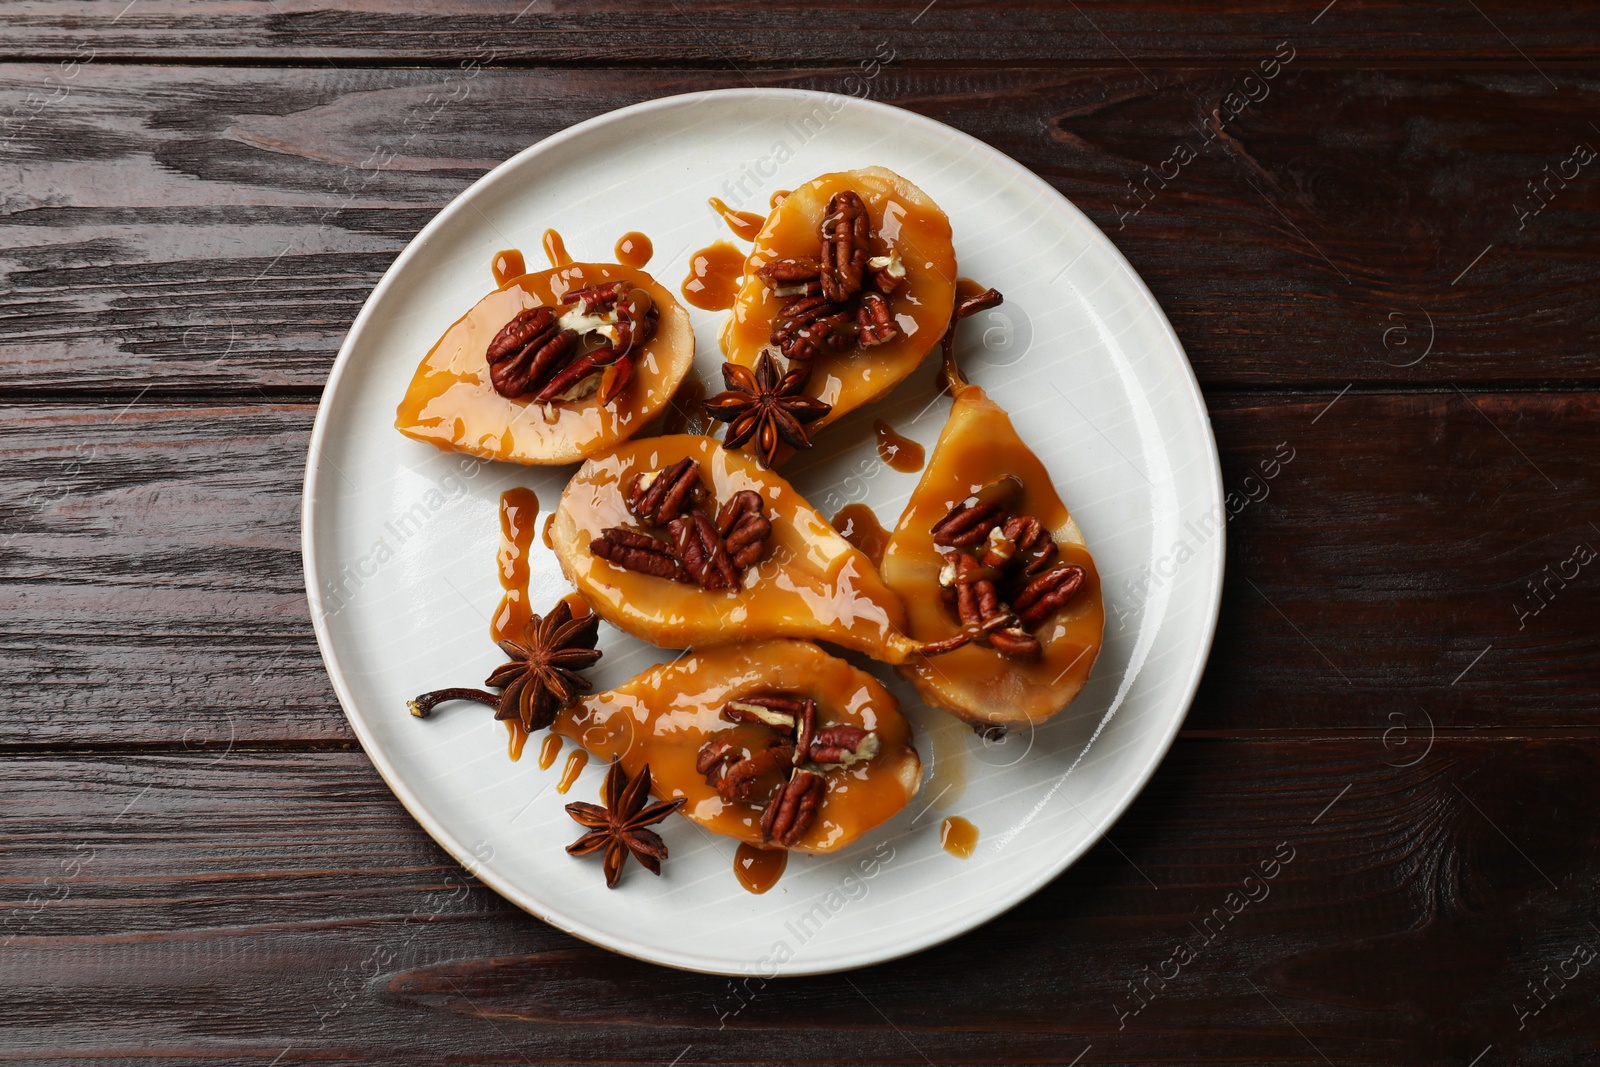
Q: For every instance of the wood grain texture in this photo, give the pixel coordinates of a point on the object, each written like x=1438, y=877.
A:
x=1378, y=546
x=223, y=910
x=753, y=35
x=195, y=230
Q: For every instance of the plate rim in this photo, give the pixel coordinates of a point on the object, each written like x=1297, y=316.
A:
x=621, y=943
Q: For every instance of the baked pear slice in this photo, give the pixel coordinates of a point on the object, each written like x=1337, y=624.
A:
x=853, y=276
x=722, y=727
x=802, y=580
x=561, y=389
x=986, y=550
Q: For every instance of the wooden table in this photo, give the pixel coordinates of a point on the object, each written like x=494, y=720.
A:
x=1373, y=226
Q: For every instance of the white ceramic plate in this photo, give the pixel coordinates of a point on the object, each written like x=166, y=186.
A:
x=400, y=539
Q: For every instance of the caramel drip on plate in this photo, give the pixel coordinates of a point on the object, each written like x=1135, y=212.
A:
x=758, y=869
x=546, y=535
x=580, y=607
x=958, y=837
x=857, y=524
x=634, y=249
x=518, y=510
x=777, y=198
x=574, y=767
x=555, y=249
x=549, y=749
x=899, y=452
x=713, y=279
x=508, y=264
x=744, y=224
x=519, y=738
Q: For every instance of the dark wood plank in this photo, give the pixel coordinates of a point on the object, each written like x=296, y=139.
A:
x=749, y=35
x=199, y=230
x=224, y=911
x=1390, y=555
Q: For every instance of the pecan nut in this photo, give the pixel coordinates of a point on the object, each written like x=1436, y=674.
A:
x=794, y=808
x=886, y=273
x=1048, y=593
x=799, y=276
x=701, y=551
x=843, y=744
x=658, y=497
x=778, y=712
x=527, y=351
x=636, y=551
x=874, y=321
x=744, y=527
x=805, y=325
x=845, y=235
x=969, y=523
x=739, y=781
x=1032, y=544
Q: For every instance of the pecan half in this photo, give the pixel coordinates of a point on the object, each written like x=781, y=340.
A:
x=744, y=528
x=636, y=551
x=799, y=276
x=658, y=497
x=1016, y=642
x=527, y=351
x=843, y=744
x=701, y=551
x=794, y=808
x=1048, y=593
x=886, y=273
x=876, y=325
x=739, y=781
x=845, y=235
x=805, y=325
x=968, y=524
x=778, y=712
x=805, y=730
x=1032, y=544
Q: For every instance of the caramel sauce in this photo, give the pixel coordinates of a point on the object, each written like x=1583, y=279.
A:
x=901, y=453
x=508, y=264
x=978, y=446
x=713, y=279
x=518, y=510
x=545, y=536
x=958, y=837
x=665, y=715
x=758, y=869
x=684, y=415
x=452, y=405
x=811, y=584
x=858, y=524
x=569, y=774
x=902, y=218
x=966, y=289
x=555, y=249
x=549, y=749
x=519, y=738
x=777, y=198
x=744, y=224
x=580, y=607
x=634, y=249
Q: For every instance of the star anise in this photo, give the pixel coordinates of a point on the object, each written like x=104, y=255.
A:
x=620, y=826
x=542, y=677
x=767, y=406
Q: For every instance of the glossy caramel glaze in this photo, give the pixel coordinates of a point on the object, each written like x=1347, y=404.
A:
x=508, y=264
x=569, y=774
x=744, y=224
x=812, y=583
x=858, y=524
x=898, y=452
x=518, y=738
x=452, y=405
x=549, y=749
x=555, y=249
x=758, y=869
x=777, y=197
x=684, y=414
x=713, y=281
x=549, y=520
x=958, y=837
x=519, y=508
x=977, y=446
x=634, y=249
x=903, y=218
x=665, y=715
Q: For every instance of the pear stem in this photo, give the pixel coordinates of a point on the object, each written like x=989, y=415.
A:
x=954, y=380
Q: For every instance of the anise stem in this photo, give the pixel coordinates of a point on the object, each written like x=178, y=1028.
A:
x=423, y=705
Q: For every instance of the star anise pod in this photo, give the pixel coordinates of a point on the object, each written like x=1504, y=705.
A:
x=767, y=406
x=542, y=677
x=620, y=826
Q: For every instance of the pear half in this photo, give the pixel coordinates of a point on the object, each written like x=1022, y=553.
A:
x=665, y=715
x=811, y=584
x=979, y=446
x=452, y=405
